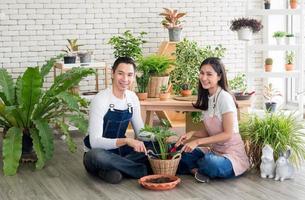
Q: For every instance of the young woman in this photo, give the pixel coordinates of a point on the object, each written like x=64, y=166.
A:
x=224, y=154
x=109, y=154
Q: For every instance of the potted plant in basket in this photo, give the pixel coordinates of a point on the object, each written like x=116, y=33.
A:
x=162, y=158
x=269, y=94
x=279, y=37
x=279, y=130
x=289, y=60
x=245, y=27
x=268, y=64
x=172, y=22
x=128, y=45
x=267, y=4
x=27, y=112
x=71, y=51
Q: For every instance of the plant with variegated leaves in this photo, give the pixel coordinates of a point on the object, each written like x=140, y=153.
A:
x=171, y=18
x=27, y=109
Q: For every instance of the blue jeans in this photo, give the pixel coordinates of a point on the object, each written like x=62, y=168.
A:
x=209, y=164
x=133, y=164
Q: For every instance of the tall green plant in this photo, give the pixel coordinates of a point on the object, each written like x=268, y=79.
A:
x=279, y=130
x=27, y=109
x=128, y=45
x=188, y=59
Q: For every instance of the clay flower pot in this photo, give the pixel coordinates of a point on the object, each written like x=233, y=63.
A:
x=289, y=67
x=164, y=96
x=293, y=4
x=142, y=96
x=186, y=93
x=268, y=68
x=159, y=182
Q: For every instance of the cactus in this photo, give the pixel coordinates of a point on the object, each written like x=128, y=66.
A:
x=268, y=61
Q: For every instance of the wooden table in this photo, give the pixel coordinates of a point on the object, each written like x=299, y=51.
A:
x=151, y=105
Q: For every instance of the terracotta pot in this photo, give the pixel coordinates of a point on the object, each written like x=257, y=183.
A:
x=289, y=67
x=268, y=68
x=186, y=93
x=164, y=96
x=293, y=5
x=151, y=182
x=142, y=96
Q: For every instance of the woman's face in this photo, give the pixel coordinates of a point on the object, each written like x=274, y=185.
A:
x=123, y=76
x=208, y=77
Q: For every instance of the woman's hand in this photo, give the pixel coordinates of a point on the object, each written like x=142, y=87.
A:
x=190, y=146
x=183, y=138
x=137, y=145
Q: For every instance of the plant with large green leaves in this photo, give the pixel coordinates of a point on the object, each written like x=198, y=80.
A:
x=280, y=130
x=26, y=109
x=189, y=56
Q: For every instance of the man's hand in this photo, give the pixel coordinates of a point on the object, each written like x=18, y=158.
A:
x=137, y=145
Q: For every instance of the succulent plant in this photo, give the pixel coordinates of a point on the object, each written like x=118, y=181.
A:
x=268, y=61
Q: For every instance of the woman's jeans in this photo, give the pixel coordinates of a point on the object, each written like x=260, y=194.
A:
x=133, y=164
x=209, y=164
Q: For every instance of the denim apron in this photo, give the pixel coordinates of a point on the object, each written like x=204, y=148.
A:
x=115, y=126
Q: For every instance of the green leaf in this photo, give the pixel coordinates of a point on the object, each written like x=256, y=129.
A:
x=12, y=145
x=46, y=137
x=80, y=122
x=45, y=69
x=37, y=145
x=71, y=144
x=7, y=86
x=69, y=99
x=30, y=92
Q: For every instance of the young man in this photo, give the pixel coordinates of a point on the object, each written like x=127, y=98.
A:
x=109, y=154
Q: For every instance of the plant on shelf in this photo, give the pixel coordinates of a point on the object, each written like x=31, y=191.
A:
x=27, y=112
x=188, y=59
x=279, y=36
x=269, y=93
x=267, y=4
x=164, y=92
x=293, y=4
x=156, y=66
x=245, y=27
x=280, y=130
x=289, y=60
x=290, y=39
x=172, y=22
x=128, y=45
x=268, y=64
x=71, y=51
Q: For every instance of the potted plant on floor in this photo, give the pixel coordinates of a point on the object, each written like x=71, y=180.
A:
x=162, y=159
x=172, y=22
x=157, y=66
x=289, y=60
x=267, y=4
x=279, y=37
x=268, y=64
x=280, y=130
x=269, y=93
x=27, y=112
x=245, y=27
x=128, y=45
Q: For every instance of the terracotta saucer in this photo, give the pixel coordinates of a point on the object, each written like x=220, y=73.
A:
x=159, y=182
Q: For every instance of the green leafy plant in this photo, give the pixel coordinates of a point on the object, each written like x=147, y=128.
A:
x=269, y=92
x=27, y=109
x=73, y=47
x=279, y=34
x=238, y=84
x=289, y=35
x=244, y=22
x=171, y=18
x=188, y=59
x=161, y=133
x=128, y=45
x=163, y=89
x=155, y=65
x=279, y=129
x=142, y=82
x=289, y=57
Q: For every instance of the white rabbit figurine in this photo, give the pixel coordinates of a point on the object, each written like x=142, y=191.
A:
x=283, y=169
x=267, y=166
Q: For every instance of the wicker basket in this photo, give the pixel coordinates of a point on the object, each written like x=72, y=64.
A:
x=167, y=167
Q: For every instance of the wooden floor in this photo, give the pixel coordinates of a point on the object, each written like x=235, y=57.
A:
x=64, y=178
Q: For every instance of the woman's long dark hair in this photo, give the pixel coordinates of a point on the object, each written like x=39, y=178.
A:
x=203, y=94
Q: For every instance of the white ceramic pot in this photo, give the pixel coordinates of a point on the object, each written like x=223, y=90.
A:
x=244, y=34
x=280, y=40
x=290, y=40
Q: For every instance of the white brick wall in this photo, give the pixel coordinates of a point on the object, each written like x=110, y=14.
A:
x=35, y=30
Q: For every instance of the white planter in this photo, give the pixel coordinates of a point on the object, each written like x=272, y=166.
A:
x=290, y=40
x=280, y=40
x=244, y=34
